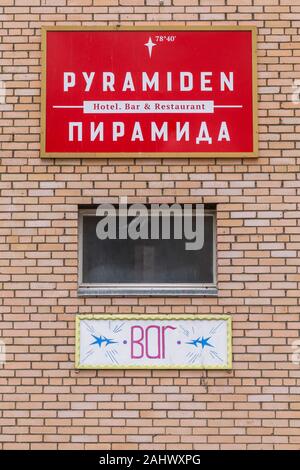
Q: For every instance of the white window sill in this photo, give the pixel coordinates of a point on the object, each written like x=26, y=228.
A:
x=147, y=291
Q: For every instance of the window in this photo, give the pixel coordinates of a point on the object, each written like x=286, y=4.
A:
x=161, y=265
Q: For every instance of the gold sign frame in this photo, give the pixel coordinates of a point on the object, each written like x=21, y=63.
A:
x=152, y=155
x=177, y=317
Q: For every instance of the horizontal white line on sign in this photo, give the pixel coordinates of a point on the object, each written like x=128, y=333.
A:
x=228, y=106
x=67, y=107
x=147, y=107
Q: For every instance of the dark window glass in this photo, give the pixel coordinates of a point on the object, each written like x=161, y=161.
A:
x=146, y=261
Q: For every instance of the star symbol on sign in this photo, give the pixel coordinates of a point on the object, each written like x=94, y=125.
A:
x=150, y=46
x=102, y=339
x=203, y=341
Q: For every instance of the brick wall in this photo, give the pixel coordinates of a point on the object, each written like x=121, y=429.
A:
x=44, y=402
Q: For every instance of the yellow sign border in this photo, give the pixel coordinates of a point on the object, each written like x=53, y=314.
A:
x=153, y=317
x=135, y=155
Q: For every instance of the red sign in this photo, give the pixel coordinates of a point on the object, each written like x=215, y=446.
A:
x=145, y=92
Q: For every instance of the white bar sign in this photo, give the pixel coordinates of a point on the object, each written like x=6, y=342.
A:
x=148, y=341
x=146, y=107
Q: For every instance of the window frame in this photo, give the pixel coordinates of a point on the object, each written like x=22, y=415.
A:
x=144, y=289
